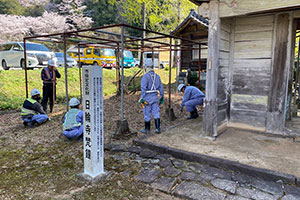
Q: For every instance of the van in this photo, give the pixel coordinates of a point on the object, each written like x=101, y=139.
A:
x=12, y=55
x=104, y=57
x=128, y=59
x=162, y=63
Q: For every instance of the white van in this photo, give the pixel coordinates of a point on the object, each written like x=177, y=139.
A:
x=148, y=56
x=12, y=55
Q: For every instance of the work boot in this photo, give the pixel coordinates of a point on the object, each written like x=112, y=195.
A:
x=147, y=128
x=31, y=124
x=157, y=125
x=193, y=114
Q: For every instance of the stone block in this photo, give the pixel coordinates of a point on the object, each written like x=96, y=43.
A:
x=254, y=194
x=241, y=178
x=148, y=175
x=119, y=148
x=292, y=190
x=135, y=150
x=290, y=197
x=188, y=176
x=267, y=186
x=178, y=163
x=145, y=153
x=165, y=163
x=223, y=184
x=195, y=167
x=164, y=184
x=217, y=172
x=234, y=197
x=204, y=177
x=194, y=191
x=172, y=171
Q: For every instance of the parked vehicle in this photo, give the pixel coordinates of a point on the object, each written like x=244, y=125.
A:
x=136, y=62
x=42, y=53
x=128, y=59
x=148, y=55
x=12, y=55
x=104, y=57
x=60, y=60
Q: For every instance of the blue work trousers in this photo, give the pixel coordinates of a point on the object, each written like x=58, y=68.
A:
x=151, y=108
x=73, y=132
x=190, y=105
x=39, y=118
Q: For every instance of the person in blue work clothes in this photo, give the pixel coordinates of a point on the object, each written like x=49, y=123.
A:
x=192, y=97
x=73, y=121
x=49, y=75
x=32, y=112
x=150, y=85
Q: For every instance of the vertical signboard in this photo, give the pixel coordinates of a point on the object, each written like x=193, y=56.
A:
x=93, y=121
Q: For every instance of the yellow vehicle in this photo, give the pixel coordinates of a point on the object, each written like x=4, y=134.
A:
x=104, y=57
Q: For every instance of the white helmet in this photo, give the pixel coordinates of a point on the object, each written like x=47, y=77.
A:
x=34, y=92
x=74, y=102
x=180, y=86
x=51, y=63
x=148, y=63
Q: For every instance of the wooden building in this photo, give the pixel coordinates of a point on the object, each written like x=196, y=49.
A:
x=249, y=63
x=194, y=27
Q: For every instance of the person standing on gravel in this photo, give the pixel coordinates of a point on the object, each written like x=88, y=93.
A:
x=32, y=112
x=192, y=97
x=150, y=85
x=73, y=121
x=49, y=75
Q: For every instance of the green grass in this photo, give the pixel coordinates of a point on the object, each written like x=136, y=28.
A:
x=12, y=84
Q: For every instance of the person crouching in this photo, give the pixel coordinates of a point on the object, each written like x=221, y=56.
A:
x=192, y=98
x=73, y=121
x=32, y=112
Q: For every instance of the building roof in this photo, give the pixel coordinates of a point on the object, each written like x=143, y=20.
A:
x=199, y=2
x=193, y=17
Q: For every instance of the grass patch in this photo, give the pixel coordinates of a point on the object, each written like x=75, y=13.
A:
x=12, y=84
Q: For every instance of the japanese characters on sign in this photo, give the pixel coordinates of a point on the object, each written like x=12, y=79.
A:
x=93, y=120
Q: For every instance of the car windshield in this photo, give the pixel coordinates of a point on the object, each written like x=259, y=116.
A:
x=60, y=55
x=149, y=55
x=128, y=54
x=35, y=47
x=107, y=52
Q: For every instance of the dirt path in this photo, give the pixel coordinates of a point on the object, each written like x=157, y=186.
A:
x=258, y=150
x=39, y=163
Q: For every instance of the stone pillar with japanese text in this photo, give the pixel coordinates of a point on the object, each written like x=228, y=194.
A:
x=93, y=121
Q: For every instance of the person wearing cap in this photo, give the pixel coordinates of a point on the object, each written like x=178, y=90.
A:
x=49, y=75
x=32, y=112
x=150, y=85
x=73, y=121
x=192, y=97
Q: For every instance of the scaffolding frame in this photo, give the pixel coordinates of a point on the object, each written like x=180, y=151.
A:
x=92, y=36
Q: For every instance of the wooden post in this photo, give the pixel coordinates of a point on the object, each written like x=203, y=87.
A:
x=279, y=75
x=210, y=103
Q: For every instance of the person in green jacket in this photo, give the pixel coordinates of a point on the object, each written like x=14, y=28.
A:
x=73, y=121
x=32, y=112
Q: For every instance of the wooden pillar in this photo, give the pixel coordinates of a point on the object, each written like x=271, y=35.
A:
x=210, y=103
x=279, y=74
